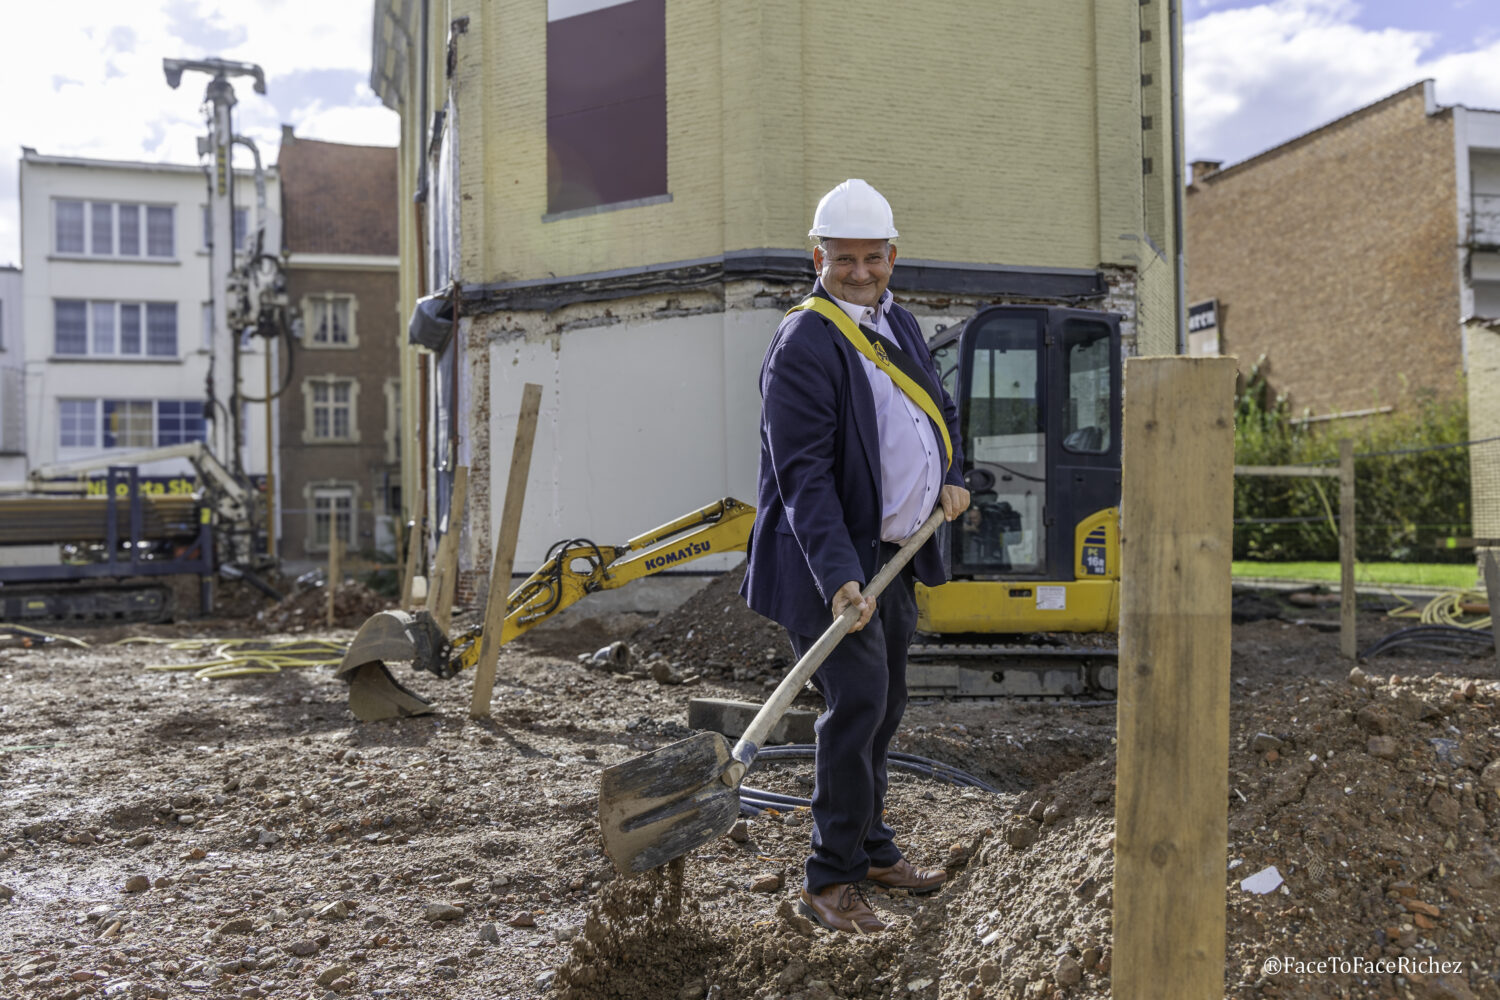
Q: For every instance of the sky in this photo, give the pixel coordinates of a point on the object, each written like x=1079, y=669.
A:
x=90, y=84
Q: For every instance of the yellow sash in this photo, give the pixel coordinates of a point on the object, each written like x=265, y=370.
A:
x=878, y=356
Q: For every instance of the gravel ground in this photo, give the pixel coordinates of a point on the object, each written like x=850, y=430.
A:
x=163, y=836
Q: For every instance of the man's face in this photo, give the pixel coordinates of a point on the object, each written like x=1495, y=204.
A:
x=855, y=270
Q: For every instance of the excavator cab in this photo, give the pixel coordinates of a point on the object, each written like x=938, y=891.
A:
x=1038, y=392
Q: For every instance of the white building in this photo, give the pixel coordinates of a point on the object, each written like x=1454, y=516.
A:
x=120, y=350
x=12, y=393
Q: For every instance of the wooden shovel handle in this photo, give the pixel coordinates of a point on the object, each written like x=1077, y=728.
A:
x=781, y=699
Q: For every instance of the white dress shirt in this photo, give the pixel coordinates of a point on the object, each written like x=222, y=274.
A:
x=911, y=459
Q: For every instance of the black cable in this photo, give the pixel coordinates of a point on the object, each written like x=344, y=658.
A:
x=754, y=801
x=291, y=364
x=1435, y=638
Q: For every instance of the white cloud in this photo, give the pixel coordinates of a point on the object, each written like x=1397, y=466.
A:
x=91, y=83
x=1256, y=76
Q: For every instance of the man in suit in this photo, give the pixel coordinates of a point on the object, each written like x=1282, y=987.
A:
x=855, y=453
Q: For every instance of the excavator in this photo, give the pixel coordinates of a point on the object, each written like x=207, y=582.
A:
x=1035, y=582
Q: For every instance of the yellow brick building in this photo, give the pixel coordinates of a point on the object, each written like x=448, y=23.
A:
x=1026, y=145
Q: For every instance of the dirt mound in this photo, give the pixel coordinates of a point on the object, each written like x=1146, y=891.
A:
x=715, y=634
x=1375, y=802
x=308, y=608
x=635, y=937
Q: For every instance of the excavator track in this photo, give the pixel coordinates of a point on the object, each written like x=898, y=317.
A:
x=85, y=603
x=984, y=669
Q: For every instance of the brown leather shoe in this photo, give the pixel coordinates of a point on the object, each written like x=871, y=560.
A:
x=841, y=907
x=905, y=875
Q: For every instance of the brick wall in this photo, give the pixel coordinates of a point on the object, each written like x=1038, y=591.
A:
x=371, y=364
x=1334, y=256
x=1003, y=132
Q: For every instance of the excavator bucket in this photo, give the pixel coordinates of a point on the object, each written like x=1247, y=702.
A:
x=388, y=636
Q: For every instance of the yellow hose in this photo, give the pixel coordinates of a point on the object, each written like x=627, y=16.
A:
x=1447, y=609
x=229, y=657
x=36, y=633
x=249, y=657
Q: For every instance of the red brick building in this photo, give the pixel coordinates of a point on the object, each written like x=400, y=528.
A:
x=339, y=423
x=1336, y=255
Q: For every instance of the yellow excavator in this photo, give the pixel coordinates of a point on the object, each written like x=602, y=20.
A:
x=1035, y=559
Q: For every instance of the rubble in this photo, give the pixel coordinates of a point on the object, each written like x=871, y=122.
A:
x=437, y=856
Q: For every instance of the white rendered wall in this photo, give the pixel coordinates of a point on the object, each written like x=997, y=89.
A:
x=639, y=424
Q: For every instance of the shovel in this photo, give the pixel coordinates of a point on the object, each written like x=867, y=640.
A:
x=660, y=805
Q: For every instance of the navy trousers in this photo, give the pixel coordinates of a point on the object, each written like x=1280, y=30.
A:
x=864, y=683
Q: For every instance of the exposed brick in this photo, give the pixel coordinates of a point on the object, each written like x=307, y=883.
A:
x=1334, y=255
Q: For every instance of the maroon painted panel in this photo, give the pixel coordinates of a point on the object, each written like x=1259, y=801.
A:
x=607, y=106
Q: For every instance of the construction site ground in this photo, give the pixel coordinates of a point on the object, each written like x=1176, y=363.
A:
x=165, y=836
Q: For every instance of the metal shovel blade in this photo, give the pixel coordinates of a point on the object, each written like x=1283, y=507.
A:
x=660, y=805
x=373, y=693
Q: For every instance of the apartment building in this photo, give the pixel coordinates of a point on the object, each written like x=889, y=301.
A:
x=340, y=416
x=12, y=387
x=119, y=346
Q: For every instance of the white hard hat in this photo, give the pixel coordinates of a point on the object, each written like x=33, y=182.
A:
x=855, y=211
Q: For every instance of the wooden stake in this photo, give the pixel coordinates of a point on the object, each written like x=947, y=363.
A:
x=497, y=606
x=440, y=601
x=335, y=570
x=415, y=539
x=1492, y=589
x=1348, y=602
x=1172, y=770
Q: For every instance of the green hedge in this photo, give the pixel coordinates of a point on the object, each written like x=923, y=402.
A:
x=1405, y=505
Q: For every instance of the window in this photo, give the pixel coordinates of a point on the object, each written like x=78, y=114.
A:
x=606, y=104
x=69, y=216
x=130, y=328
x=113, y=229
x=78, y=421
x=329, y=320
x=103, y=315
x=130, y=230
x=332, y=516
x=331, y=405
x=129, y=423
x=113, y=329
x=331, y=410
x=102, y=227
x=1003, y=530
x=160, y=240
x=1087, y=423
x=179, y=421
x=161, y=329
x=70, y=326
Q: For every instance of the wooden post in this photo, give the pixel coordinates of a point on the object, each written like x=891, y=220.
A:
x=1492, y=590
x=440, y=591
x=335, y=570
x=1172, y=769
x=1348, y=602
x=415, y=539
x=505, y=552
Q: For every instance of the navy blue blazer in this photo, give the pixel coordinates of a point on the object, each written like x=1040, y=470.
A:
x=818, y=504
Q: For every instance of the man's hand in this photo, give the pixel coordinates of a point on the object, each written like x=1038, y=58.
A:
x=955, y=500
x=849, y=594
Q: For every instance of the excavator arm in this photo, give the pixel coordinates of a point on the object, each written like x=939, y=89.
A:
x=574, y=568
